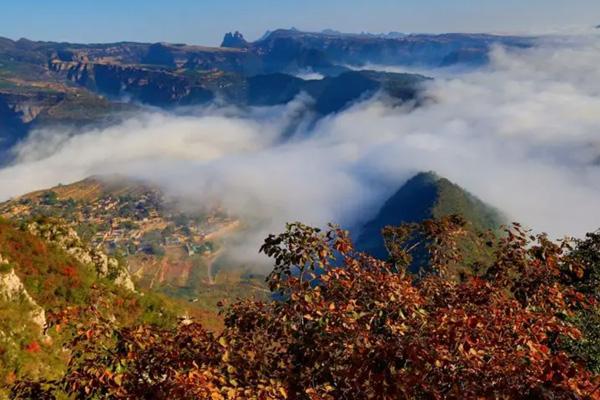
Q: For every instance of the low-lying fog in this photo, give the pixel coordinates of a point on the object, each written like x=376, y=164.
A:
x=523, y=134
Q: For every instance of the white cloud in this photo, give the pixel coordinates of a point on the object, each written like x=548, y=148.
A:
x=309, y=75
x=523, y=134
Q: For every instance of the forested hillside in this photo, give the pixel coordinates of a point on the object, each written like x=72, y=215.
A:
x=346, y=325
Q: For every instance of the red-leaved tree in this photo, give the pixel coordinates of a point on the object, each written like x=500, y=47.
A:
x=344, y=325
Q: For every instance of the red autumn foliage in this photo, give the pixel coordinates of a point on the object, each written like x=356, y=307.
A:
x=33, y=347
x=69, y=271
x=347, y=326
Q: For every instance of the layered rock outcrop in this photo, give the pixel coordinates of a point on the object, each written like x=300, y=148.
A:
x=67, y=239
x=12, y=290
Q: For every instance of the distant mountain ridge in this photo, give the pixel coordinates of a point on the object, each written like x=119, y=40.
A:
x=47, y=84
x=424, y=50
x=250, y=58
x=389, y=35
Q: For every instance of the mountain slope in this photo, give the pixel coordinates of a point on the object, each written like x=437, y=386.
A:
x=44, y=277
x=166, y=250
x=333, y=94
x=426, y=196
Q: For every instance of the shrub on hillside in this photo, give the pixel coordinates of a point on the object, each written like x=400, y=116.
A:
x=348, y=326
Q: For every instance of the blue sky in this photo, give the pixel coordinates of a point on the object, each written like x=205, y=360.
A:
x=205, y=21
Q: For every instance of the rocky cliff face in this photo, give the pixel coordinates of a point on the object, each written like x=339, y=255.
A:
x=19, y=110
x=67, y=239
x=154, y=87
x=11, y=125
x=26, y=107
x=12, y=290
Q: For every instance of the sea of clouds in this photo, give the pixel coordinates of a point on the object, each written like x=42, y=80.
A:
x=523, y=134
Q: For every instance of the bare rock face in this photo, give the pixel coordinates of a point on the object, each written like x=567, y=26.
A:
x=13, y=290
x=67, y=239
x=124, y=280
x=28, y=111
x=27, y=106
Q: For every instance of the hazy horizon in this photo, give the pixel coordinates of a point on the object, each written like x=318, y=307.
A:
x=205, y=23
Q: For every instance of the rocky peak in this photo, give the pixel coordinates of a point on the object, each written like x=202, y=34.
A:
x=234, y=40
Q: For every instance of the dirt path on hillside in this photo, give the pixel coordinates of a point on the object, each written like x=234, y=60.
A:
x=209, y=266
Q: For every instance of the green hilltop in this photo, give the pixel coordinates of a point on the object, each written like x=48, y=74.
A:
x=427, y=196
